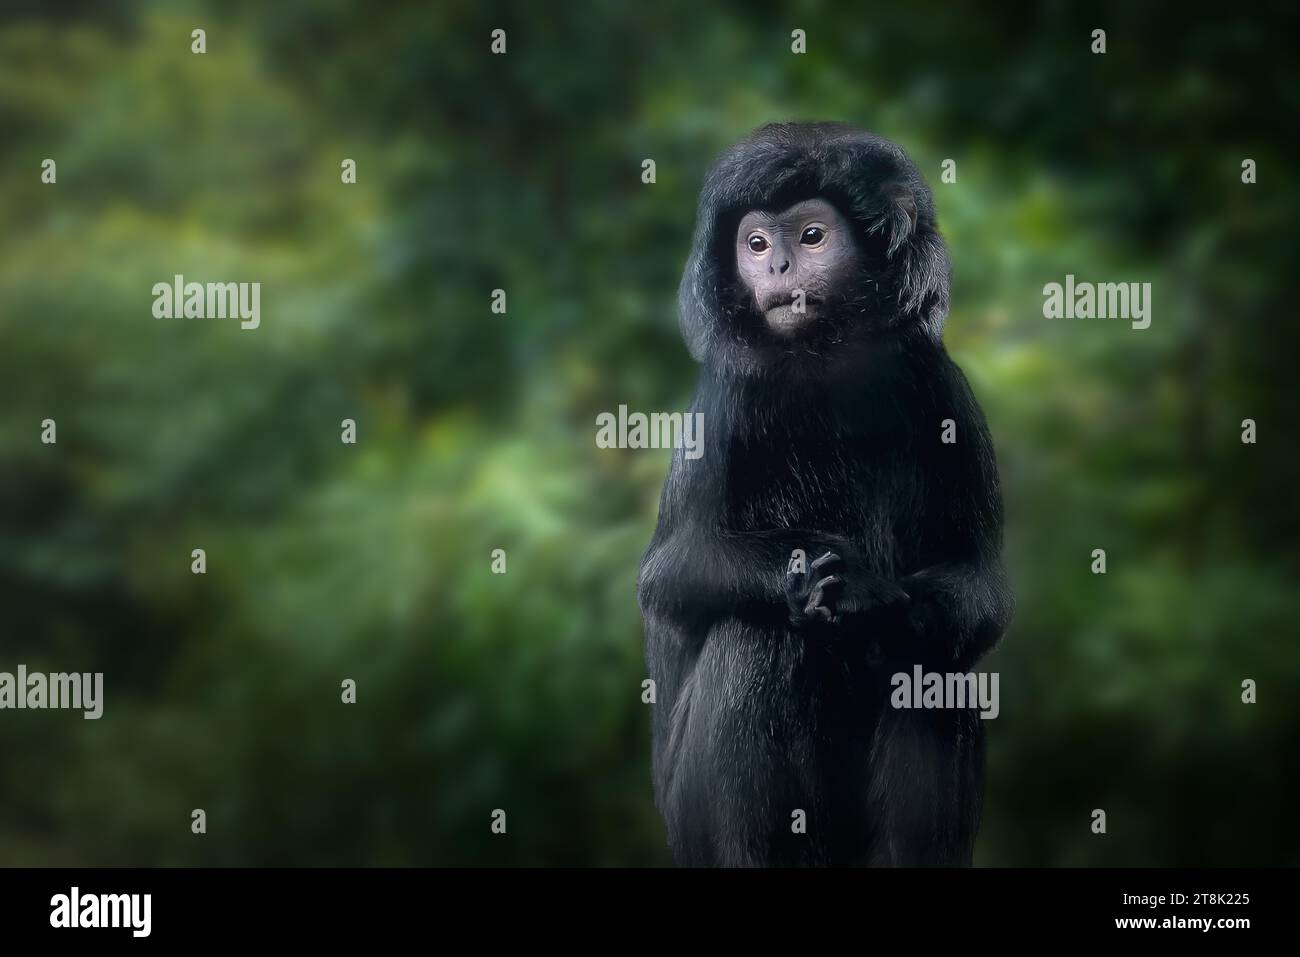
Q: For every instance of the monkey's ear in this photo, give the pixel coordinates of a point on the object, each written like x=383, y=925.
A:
x=897, y=222
x=916, y=255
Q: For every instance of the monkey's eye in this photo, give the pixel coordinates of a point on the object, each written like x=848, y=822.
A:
x=757, y=243
x=812, y=236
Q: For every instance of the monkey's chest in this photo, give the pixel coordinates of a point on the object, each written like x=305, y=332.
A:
x=871, y=493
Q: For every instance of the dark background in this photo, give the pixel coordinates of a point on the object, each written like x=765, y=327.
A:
x=372, y=562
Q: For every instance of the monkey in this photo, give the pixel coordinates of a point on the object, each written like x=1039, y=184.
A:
x=842, y=523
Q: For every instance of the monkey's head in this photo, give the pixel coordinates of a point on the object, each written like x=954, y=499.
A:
x=814, y=242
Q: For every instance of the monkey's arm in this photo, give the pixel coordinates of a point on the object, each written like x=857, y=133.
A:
x=695, y=577
x=960, y=601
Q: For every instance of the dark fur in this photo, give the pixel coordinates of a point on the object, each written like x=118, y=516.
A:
x=831, y=442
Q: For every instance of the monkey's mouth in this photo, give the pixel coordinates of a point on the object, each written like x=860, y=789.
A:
x=785, y=320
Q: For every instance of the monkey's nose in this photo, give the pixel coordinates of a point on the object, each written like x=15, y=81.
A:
x=785, y=264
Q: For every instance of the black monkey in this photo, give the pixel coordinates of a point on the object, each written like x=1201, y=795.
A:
x=814, y=301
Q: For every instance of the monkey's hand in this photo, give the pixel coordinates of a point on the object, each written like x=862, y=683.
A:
x=927, y=615
x=957, y=612
x=829, y=592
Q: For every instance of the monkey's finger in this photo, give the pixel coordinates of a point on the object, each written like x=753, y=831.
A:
x=830, y=558
x=823, y=589
x=829, y=583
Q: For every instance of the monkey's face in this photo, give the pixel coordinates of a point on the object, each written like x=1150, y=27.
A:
x=796, y=263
